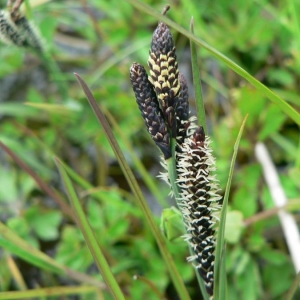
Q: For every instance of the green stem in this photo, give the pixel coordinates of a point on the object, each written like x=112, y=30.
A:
x=55, y=73
x=197, y=83
x=172, y=171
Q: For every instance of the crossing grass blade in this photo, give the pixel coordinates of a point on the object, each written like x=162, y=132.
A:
x=294, y=287
x=174, y=274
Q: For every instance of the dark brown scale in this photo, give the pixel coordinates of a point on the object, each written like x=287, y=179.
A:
x=162, y=41
x=182, y=111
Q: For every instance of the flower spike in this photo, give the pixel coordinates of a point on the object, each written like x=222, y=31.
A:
x=149, y=107
x=164, y=73
x=199, y=202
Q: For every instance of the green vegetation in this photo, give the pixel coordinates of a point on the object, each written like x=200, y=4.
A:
x=59, y=170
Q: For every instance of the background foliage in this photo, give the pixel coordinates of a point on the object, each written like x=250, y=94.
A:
x=99, y=40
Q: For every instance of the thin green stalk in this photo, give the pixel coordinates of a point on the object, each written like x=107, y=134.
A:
x=295, y=21
x=219, y=268
x=283, y=105
x=28, y=9
x=174, y=274
x=172, y=171
x=298, y=155
x=89, y=236
x=197, y=83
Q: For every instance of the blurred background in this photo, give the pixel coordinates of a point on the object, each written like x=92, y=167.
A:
x=44, y=113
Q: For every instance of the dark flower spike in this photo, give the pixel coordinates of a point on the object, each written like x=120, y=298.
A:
x=17, y=30
x=164, y=73
x=199, y=202
x=149, y=107
x=9, y=33
x=31, y=34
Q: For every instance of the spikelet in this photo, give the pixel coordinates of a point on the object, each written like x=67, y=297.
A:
x=199, y=202
x=149, y=107
x=164, y=73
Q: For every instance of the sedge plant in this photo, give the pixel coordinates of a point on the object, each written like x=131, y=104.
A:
x=163, y=100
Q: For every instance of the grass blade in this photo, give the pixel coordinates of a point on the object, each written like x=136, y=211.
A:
x=13, y=243
x=48, y=292
x=283, y=105
x=176, y=278
x=219, y=270
x=89, y=236
x=43, y=186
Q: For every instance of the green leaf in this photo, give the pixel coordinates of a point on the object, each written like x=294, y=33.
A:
x=273, y=120
x=234, y=226
x=21, y=226
x=44, y=223
x=171, y=223
x=72, y=250
x=8, y=191
x=249, y=282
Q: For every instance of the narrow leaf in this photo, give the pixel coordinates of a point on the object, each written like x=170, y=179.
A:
x=13, y=243
x=48, y=292
x=21, y=248
x=219, y=270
